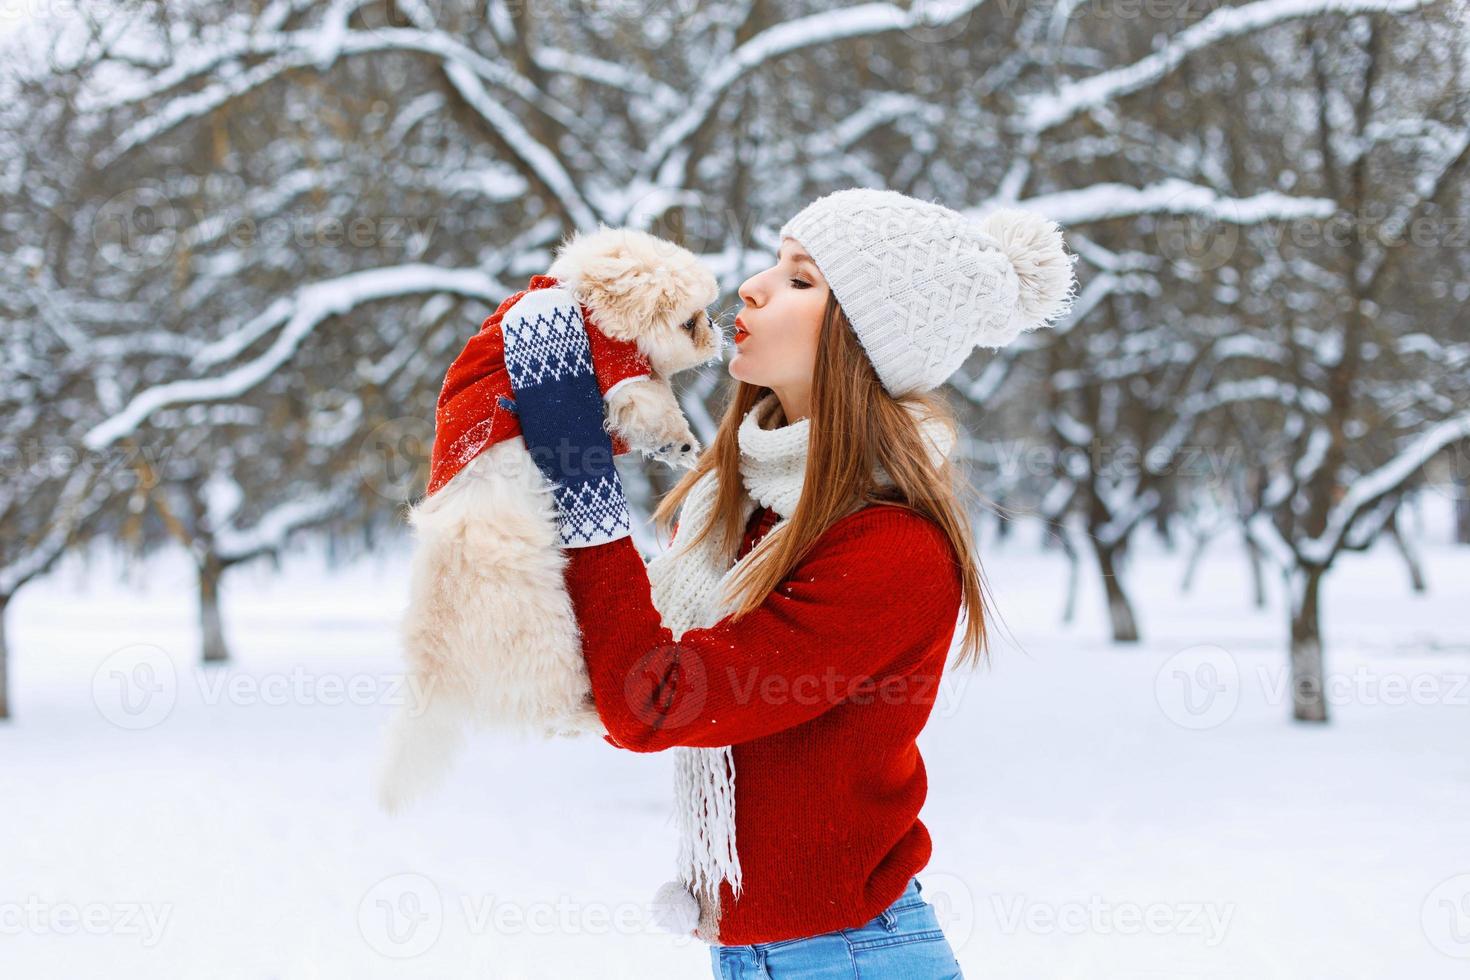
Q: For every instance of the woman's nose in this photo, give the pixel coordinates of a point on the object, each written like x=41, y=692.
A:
x=747, y=293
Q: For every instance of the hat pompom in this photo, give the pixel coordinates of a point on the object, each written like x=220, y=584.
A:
x=675, y=909
x=1034, y=245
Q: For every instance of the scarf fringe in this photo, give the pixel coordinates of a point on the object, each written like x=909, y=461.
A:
x=687, y=586
x=707, y=854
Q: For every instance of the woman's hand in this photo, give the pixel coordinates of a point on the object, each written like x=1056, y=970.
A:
x=549, y=360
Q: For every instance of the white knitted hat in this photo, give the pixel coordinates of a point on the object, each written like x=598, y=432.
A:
x=923, y=285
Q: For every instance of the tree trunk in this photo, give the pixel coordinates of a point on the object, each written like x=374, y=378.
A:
x=1462, y=510
x=1258, y=578
x=1406, y=551
x=210, y=626
x=1163, y=519
x=1196, y=555
x=1120, y=610
x=1074, y=582
x=1308, y=691
x=4, y=662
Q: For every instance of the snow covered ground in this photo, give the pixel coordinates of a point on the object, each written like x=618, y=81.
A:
x=1097, y=812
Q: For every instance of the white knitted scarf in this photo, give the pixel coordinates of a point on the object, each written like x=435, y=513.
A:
x=686, y=586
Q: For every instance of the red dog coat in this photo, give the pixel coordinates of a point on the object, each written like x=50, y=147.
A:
x=476, y=409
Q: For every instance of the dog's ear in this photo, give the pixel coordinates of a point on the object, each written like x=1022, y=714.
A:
x=631, y=281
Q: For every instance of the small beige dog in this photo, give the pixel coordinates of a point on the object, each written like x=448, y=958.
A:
x=489, y=634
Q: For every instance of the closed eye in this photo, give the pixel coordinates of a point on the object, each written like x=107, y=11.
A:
x=801, y=284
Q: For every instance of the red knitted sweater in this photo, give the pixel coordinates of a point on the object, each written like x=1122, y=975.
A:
x=821, y=691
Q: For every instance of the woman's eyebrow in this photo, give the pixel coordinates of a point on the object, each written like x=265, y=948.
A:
x=799, y=258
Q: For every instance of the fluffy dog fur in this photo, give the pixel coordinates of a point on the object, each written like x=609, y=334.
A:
x=489, y=632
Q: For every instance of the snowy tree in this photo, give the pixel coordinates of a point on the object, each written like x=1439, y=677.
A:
x=1140, y=161
x=272, y=227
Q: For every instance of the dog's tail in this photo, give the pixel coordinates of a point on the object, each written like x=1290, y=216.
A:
x=421, y=740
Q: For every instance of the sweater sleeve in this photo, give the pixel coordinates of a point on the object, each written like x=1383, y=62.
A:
x=615, y=362
x=847, y=614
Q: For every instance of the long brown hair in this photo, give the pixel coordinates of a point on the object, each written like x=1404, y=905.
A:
x=855, y=424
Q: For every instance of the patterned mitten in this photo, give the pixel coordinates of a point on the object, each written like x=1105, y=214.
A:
x=549, y=360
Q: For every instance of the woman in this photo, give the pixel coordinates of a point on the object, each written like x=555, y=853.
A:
x=796, y=631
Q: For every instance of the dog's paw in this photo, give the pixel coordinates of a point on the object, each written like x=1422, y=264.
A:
x=678, y=455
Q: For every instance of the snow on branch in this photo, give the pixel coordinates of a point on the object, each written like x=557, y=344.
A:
x=1367, y=529
x=298, y=49
x=311, y=307
x=1261, y=528
x=1258, y=389
x=1453, y=357
x=1370, y=488
x=1193, y=409
x=1100, y=202
x=1042, y=112
x=610, y=73
x=232, y=343
x=793, y=35
x=84, y=492
x=1284, y=484
x=275, y=525
x=219, y=59
x=195, y=105
x=877, y=110
x=1127, y=508
x=524, y=145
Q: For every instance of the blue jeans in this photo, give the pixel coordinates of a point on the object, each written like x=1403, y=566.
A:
x=903, y=942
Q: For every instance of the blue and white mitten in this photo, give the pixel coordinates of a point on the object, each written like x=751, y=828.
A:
x=560, y=410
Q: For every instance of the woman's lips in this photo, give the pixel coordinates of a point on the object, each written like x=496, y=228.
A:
x=740, y=332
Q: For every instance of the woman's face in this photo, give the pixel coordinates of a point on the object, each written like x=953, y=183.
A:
x=776, y=331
